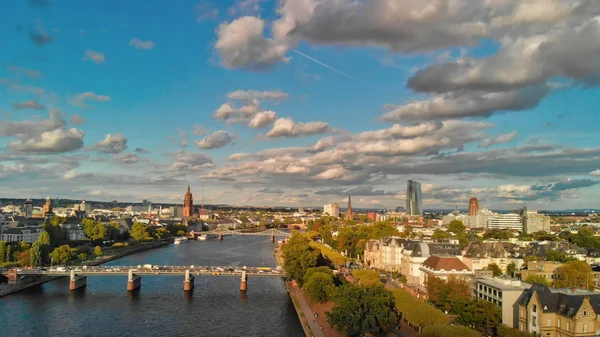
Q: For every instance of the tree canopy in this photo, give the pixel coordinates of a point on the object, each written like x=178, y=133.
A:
x=63, y=254
x=299, y=257
x=318, y=285
x=456, y=226
x=442, y=293
x=417, y=312
x=574, y=274
x=139, y=232
x=539, y=279
x=448, y=331
x=360, y=310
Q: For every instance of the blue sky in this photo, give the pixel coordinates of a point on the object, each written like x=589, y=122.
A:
x=299, y=103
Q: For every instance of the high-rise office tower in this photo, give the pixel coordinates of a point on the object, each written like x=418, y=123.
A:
x=473, y=206
x=414, y=202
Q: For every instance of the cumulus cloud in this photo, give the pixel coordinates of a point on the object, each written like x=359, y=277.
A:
x=82, y=99
x=92, y=55
x=77, y=120
x=505, y=138
x=29, y=128
x=399, y=131
x=286, y=127
x=262, y=119
x=238, y=156
x=595, y=173
x=465, y=104
x=141, y=44
x=215, y=140
x=112, y=144
x=241, y=44
x=248, y=96
x=29, y=104
x=250, y=100
x=191, y=161
x=126, y=158
x=57, y=140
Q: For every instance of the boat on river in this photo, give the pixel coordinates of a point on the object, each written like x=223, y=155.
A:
x=180, y=240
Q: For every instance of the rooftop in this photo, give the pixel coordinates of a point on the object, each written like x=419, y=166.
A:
x=504, y=283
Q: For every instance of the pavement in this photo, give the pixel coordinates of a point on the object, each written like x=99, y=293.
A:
x=315, y=327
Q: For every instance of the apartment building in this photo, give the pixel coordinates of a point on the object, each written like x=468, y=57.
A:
x=502, y=291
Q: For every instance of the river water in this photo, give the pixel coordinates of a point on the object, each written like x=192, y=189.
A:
x=160, y=308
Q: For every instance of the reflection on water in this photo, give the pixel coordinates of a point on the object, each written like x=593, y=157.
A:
x=215, y=307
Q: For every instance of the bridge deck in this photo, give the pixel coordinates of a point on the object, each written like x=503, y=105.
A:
x=124, y=271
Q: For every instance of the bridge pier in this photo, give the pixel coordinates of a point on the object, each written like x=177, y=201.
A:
x=77, y=281
x=244, y=281
x=272, y=237
x=220, y=237
x=133, y=281
x=188, y=282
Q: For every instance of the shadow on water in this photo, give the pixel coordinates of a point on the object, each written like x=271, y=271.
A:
x=134, y=295
x=77, y=293
x=243, y=296
x=188, y=296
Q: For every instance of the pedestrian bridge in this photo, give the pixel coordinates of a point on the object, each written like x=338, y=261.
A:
x=78, y=275
x=221, y=232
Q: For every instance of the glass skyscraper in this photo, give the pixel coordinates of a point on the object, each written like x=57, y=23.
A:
x=414, y=202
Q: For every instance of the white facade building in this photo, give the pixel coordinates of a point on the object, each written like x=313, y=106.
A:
x=28, y=234
x=505, y=221
x=332, y=209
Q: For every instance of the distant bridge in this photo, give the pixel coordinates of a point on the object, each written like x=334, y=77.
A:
x=78, y=275
x=220, y=232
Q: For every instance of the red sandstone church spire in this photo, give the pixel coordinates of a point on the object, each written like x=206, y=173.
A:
x=188, y=204
x=349, y=215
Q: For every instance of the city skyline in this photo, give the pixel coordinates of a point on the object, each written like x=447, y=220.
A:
x=260, y=104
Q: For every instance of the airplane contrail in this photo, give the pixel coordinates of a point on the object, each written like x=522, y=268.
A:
x=324, y=65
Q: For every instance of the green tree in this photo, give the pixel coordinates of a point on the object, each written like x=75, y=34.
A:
x=9, y=254
x=362, y=310
x=417, y=312
x=162, y=233
x=539, y=279
x=440, y=234
x=23, y=246
x=139, y=232
x=63, y=254
x=2, y=251
x=98, y=232
x=442, y=293
x=44, y=239
x=35, y=255
x=299, y=256
x=511, y=268
x=574, y=274
x=456, y=226
x=180, y=232
x=482, y=315
x=98, y=251
x=83, y=257
x=495, y=269
x=55, y=233
x=318, y=286
x=24, y=258
x=57, y=220
x=558, y=256
x=448, y=331
x=321, y=269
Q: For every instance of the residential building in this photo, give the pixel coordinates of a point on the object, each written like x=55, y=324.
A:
x=372, y=216
x=505, y=221
x=414, y=201
x=559, y=312
x=415, y=253
x=27, y=234
x=478, y=255
x=442, y=267
x=384, y=254
x=535, y=222
x=473, y=206
x=332, y=210
x=547, y=269
x=502, y=291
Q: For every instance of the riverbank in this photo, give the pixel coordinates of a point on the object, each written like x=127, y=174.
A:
x=7, y=289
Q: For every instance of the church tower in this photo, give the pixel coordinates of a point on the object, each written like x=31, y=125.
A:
x=349, y=215
x=47, y=209
x=188, y=204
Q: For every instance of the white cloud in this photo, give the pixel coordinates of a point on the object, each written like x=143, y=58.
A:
x=505, y=138
x=286, y=127
x=92, y=55
x=58, y=140
x=595, y=173
x=140, y=44
x=77, y=119
x=262, y=119
x=29, y=104
x=191, y=161
x=238, y=156
x=82, y=99
x=248, y=96
x=215, y=140
x=112, y=144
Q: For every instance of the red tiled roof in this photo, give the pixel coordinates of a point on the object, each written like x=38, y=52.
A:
x=447, y=263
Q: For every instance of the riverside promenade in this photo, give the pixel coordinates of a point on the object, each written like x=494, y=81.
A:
x=7, y=289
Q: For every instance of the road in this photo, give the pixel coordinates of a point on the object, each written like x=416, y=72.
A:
x=315, y=328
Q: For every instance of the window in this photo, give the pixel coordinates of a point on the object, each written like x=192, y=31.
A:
x=558, y=323
x=534, y=321
x=534, y=308
x=585, y=328
x=522, y=313
x=549, y=322
x=585, y=313
x=548, y=334
x=568, y=326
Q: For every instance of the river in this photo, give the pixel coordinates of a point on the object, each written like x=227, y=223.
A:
x=160, y=308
